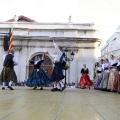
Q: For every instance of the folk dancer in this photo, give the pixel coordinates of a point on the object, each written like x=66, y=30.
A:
x=39, y=77
x=85, y=79
x=57, y=74
x=8, y=74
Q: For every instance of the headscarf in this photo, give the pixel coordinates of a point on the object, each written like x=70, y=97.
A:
x=36, y=61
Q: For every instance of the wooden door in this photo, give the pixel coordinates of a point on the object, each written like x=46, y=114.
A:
x=46, y=65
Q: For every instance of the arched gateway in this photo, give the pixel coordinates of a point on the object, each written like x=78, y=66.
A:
x=46, y=65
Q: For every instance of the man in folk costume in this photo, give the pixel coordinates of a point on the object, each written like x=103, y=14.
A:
x=57, y=74
x=8, y=74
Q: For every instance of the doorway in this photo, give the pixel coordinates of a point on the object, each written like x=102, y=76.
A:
x=46, y=65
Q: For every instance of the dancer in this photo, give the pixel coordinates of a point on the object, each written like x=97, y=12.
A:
x=57, y=74
x=8, y=74
x=39, y=77
x=85, y=79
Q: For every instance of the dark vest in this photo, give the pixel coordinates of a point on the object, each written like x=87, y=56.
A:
x=85, y=71
x=37, y=66
x=8, y=62
x=63, y=63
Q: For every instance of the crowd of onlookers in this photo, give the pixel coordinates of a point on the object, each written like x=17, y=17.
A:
x=70, y=85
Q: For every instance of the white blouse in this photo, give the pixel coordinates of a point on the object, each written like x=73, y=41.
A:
x=113, y=61
x=106, y=65
x=58, y=55
x=118, y=64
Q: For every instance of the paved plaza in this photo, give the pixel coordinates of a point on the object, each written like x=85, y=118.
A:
x=23, y=103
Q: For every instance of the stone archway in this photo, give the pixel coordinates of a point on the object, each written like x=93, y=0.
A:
x=46, y=65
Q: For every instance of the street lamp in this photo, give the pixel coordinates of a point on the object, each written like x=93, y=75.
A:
x=68, y=59
x=71, y=57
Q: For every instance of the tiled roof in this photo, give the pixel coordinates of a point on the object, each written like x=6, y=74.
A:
x=21, y=17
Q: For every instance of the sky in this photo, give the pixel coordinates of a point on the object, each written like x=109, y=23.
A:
x=104, y=13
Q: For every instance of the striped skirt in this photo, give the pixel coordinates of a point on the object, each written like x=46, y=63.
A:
x=116, y=85
x=104, y=81
x=111, y=80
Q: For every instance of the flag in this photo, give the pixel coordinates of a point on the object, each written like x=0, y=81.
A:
x=11, y=40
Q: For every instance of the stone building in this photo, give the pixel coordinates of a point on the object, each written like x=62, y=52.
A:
x=112, y=45
x=31, y=38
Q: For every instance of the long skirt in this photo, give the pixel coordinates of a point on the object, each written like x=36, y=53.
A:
x=116, y=85
x=96, y=79
x=85, y=81
x=8, y=74
x=97, y=86
x=57, y=73
x=111, y=80
x=104, y=81
x=38, y=78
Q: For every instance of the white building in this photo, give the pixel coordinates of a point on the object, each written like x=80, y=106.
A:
x=112, y=45
x=32, y=38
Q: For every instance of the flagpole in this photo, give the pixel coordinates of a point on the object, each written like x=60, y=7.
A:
x=10, y=38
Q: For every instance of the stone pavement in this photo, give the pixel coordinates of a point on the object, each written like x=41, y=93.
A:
x=23, y=103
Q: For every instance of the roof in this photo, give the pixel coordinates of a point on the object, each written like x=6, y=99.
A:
x=21, y=18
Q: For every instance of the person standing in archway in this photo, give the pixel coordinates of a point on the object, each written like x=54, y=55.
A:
x=39, y=77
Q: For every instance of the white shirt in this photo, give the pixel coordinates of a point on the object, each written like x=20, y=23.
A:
x=99, y=68
x=58, y=55
x=118, y=63
x=103, y=65
x=106, y=65
x=113, y=61
x=14, y=59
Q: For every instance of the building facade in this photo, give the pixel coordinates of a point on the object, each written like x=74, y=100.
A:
x=112, y=45
x=33, y=38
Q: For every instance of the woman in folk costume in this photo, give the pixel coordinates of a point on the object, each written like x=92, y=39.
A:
x=8, y=74
x=104, y=81
x=97, y=86
x=38, y=77
x=116, y=85
x=57, y=74
x=98, y=69
x=113, y=72
x=85, y=79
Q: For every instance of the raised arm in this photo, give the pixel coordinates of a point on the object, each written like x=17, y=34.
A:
x=43, y=56
x=57, y=48
x=52, y=55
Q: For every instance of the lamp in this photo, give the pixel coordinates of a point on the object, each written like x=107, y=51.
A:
x=68, y=59
x=72, y=55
